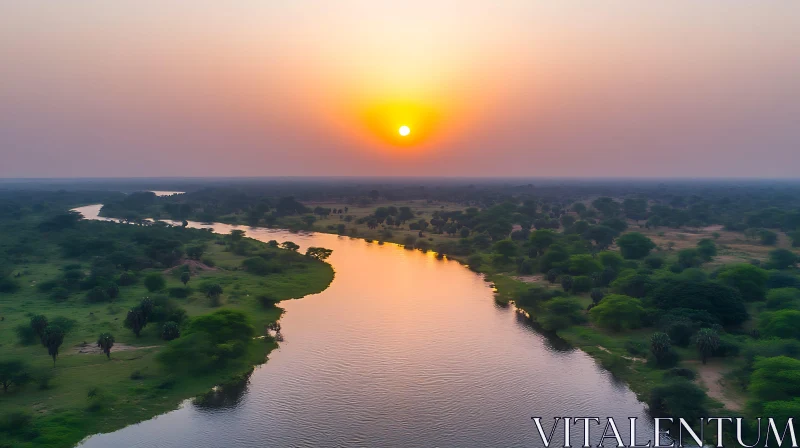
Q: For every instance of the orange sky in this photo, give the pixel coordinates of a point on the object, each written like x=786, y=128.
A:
x=254, y=88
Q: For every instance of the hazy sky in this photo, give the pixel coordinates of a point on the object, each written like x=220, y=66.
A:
x=313, y=87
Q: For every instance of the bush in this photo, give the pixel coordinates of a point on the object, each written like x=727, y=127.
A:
x=680, y=372
x=783, y=298
x=751, y=281
x=154, y=281
x=678, y=397
x=618, y=312
x=654, y=261
x=179, y=292
x=636, y=348
x=780, y=324
x=97, y=295
x=667, y=359
x=560, y=313
x=597, y=295
x=634, y=245
x=209, y=262
x=581, y=284
x=267, y=300
x=26, y=335
x=59, y=294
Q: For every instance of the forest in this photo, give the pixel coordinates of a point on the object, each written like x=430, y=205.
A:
x=687, y=290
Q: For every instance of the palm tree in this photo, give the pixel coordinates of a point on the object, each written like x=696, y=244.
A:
x=707, y=340
x=52, y=338
x=106, y=341
x=660, y=344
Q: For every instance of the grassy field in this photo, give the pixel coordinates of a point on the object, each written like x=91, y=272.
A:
x=85, y=393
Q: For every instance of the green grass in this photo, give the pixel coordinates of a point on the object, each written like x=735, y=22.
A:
x=60, y=414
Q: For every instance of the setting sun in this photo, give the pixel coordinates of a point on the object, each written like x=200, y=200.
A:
x=404, y=130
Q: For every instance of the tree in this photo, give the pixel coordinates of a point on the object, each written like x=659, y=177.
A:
x=584, y=264
x=707, y=249
x=464, y=232
x=635, y=246
x=96, y=295
x=706, y=341
x=195, y=252
x=170, y=330
x=154, y=281
x=751, y=281
x=13, y=372
x=597, y=295
x=566, y=282
x=505, y=248
x=52, y=339
x=319, y=253
x=782, y=259
x=767, y=237
x=775, y=378
x=237, y=235
x=309, y=220
x=780, y=298
x=289, y=245
x=105, y=342
x=540, y=240
x=38, y=324
x=560, y=313
x=135, y=320
x=780, y=324
x=721, y=301
x=689, y=258
x=601, y=235
x=213, y=292
x=617, y=312
x=659, y=344
x=185, y=277
x=679, y=398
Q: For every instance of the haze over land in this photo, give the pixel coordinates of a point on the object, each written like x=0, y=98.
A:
x=621, y=88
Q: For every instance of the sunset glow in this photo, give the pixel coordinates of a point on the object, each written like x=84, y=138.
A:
x=518, y=88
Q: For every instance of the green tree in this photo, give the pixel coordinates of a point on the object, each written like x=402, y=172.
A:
x=723, y=302
x=617, y=312
x=602, y=236
x=783, y=298
x=170, y=330
x=780, y=324
x=566, y=282
x=309, y=220
x=706, y=341
x=105, y=342
x=289, y=245
x=505, y=248
x=597, y=295
x=782, y=259
x=707, y=249
x=540, y=240
x=767, y=237
x=318, y=253
x=237, y=235
x=560, y=313
x=52, y=339
x=154, y=281
x=214, y=292
x=38, y=324
x=13, y=372
x=751, y=281
x=679, y=398
x=775, y=378
x=195, y=252
x=659, y=344
x=185, y=277
x=635, y=246
x=135, y=320
x=97, y=295
x=584, y=264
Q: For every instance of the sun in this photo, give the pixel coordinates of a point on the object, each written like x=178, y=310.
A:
x=404, y=130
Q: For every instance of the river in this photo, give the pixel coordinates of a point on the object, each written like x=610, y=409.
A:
x=402, y=350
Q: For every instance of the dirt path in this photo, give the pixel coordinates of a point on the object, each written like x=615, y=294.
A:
x=710, y=376
x=94, y=349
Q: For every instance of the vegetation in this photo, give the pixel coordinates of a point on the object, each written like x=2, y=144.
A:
x=74, y=281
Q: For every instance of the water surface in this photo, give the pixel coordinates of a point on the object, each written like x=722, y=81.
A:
x=402, y=350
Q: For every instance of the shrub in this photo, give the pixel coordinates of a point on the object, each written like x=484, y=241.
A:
x=597, y=295
x=154, y=281
x=97, y=294
x=780, y=324
x=654, y=261
x=618, y=312
x=783, y=298
x=267, y=300
x=170, y=330
x=26, y=335
x=751, y=281
x=581, y=284
x=680, y=372
x=678, y=397
x=180, y=293
x=560, y=313
x=59, y=294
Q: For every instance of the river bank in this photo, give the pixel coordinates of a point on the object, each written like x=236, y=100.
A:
x=84, y=392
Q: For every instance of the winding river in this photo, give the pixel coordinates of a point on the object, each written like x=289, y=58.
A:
x=402, y=350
